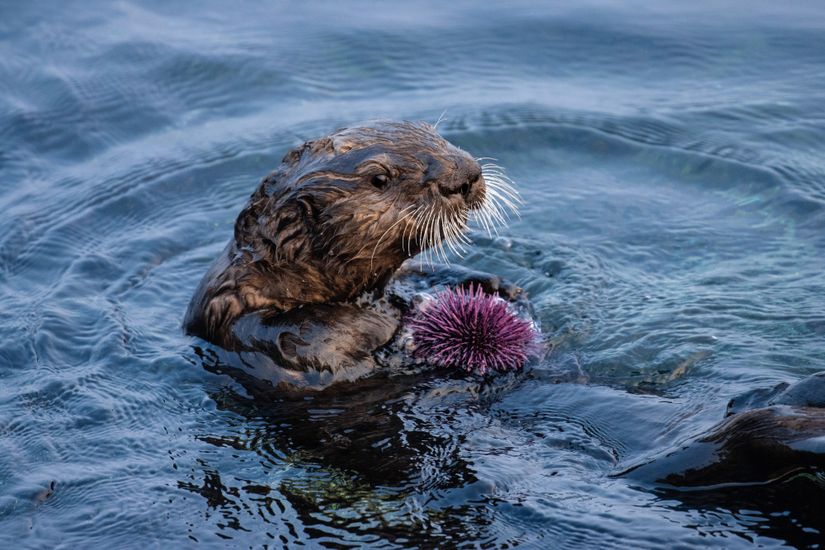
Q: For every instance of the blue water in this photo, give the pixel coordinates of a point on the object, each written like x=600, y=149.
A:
x=672, y=158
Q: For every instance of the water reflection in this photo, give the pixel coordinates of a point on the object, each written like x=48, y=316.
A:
x=788, y=509
x=386, y=458
x=361, y=456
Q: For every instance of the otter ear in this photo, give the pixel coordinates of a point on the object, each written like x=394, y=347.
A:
x=294, y=155
x=314, y=147
x=341, y=142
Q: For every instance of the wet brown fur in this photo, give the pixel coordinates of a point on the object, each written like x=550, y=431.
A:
x=782, y=436
x=319, y=229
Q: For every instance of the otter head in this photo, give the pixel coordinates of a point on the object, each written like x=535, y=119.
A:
x=343, y=212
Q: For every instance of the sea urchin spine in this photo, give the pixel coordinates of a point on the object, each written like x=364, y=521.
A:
x=466, y=328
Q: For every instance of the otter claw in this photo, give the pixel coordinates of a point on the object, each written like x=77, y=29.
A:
x=493, y=284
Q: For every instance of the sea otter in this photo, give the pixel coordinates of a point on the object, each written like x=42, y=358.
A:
x=302, y=278
x=768, y=435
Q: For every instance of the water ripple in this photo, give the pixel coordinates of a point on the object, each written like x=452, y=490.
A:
x=671, y=246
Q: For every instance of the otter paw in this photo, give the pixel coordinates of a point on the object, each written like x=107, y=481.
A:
x=493, y=284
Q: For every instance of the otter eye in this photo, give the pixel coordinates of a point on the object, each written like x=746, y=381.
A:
x=380, y=180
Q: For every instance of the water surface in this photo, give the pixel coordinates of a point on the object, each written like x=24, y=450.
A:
x=672, y=243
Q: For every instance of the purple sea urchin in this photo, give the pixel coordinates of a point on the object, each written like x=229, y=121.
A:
x=472, y=330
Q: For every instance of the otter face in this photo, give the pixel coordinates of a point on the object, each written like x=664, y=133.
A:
x=359, y=202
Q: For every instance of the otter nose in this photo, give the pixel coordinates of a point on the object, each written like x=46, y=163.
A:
x=464, y=184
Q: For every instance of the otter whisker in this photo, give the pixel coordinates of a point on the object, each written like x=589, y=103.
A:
x=460, y=239
x=427, y=237
x=505, y=188
x=419, y=226
x=448, y=228
x=492, y=208
x=457, y=230
x=497, y=215
x=438, y=236
x=495, y=172
x=406, y=228
x=454, y=246
x=414, y=229
x=422, y=231
x=454, y=226
x=406, y=233
x=483, y=217
x=501, y=180
x=390, y=228
x=442, y=241
x=501, y=198
x=435, y=242
x=449, y=239
x=405, y=239
x=435, y=235
x=498, y=174
x=440, y=118
x=489, y=166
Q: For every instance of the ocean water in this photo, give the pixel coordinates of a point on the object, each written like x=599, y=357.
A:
x=672, y=160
